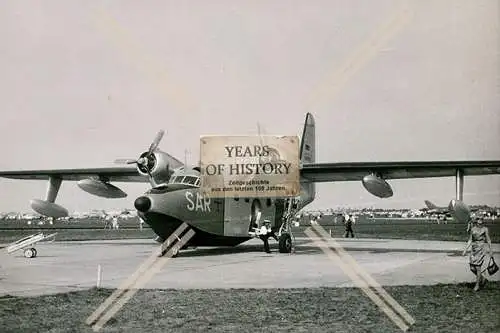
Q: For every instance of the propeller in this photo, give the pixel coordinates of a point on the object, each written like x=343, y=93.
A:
x=145, y=157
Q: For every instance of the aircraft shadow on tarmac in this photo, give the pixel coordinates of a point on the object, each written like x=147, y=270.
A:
x=300, y=249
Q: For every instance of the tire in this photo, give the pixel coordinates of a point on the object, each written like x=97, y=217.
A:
x=28, y=253
x=34, y=252
x=285, y=243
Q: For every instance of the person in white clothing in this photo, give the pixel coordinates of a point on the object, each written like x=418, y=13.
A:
x=264, y=233
x=115, y=223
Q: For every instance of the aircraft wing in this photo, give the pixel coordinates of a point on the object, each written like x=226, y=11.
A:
x=115, y=174
x=355, y=171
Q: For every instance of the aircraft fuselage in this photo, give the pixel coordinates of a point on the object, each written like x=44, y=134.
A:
x=217, y=221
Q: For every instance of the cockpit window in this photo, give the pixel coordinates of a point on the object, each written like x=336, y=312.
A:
x=187, y=180
x=190, y=180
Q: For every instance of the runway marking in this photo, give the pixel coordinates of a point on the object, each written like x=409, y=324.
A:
x=361, y=278
x=138, y=279
x=365, y=52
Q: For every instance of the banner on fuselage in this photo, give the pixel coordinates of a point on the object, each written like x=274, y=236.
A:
x=249, y=166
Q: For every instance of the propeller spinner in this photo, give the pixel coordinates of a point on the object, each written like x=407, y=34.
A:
x=147, y=160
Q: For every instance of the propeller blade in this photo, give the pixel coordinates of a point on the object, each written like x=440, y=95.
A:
x=156, y=142
x=125, y=161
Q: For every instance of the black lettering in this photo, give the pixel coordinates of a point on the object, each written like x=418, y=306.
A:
x=220, y=168
x=238, y=151
x=248, y=169
x=234, y=169
x=278, y=169
x=248, y=152
x=229, y=150
x=256, y=150
x=287, y=167
x=269, y=168
x=211, y=169
x=265, y=150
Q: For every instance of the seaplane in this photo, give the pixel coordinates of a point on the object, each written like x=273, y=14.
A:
x=175, y=196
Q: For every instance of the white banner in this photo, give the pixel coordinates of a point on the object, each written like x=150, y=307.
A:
x=249, y=166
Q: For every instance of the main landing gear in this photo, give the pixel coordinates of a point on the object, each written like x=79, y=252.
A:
x=285, y=235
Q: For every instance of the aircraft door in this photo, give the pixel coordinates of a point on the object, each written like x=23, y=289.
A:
x=236, y=217
x=241, y=215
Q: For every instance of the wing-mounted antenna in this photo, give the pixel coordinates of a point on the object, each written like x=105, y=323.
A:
x=186, y=152
x=261, y=141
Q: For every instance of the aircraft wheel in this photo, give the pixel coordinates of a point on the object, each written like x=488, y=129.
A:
x=34, y=252
x=28, y=253
x=285, y=243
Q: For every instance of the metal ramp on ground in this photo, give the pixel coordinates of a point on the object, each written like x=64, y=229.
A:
x=27, y=244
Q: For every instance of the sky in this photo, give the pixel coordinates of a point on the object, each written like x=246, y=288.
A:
x=84, y=83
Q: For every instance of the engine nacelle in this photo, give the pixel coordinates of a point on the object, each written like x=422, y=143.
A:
x=159, y=165
x=49, y=209
x=459, y=210
x=101, y=189
x=377, y=186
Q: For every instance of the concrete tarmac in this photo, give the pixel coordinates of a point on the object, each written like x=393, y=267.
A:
x=68, y=266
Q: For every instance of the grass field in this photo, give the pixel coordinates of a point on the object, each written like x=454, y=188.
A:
x=438, y=308
x=395, y=229
x=9, y=236
x=414, y=231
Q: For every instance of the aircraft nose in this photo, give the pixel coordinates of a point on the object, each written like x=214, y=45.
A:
x=142, y=204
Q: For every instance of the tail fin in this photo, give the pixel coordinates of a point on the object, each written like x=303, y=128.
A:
x=308, y=155
x=430, y=205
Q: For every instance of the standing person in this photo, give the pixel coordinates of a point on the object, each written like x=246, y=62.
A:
x=478, y=239
x=107, y=222
x=264, y=233
x=348, y=220
x=116, y=226
x=141, y=223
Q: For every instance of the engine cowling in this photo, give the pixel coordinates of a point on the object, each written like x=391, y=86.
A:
x=49, y=209
x=158, y=166
x=377, y=186
x=101, y=189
